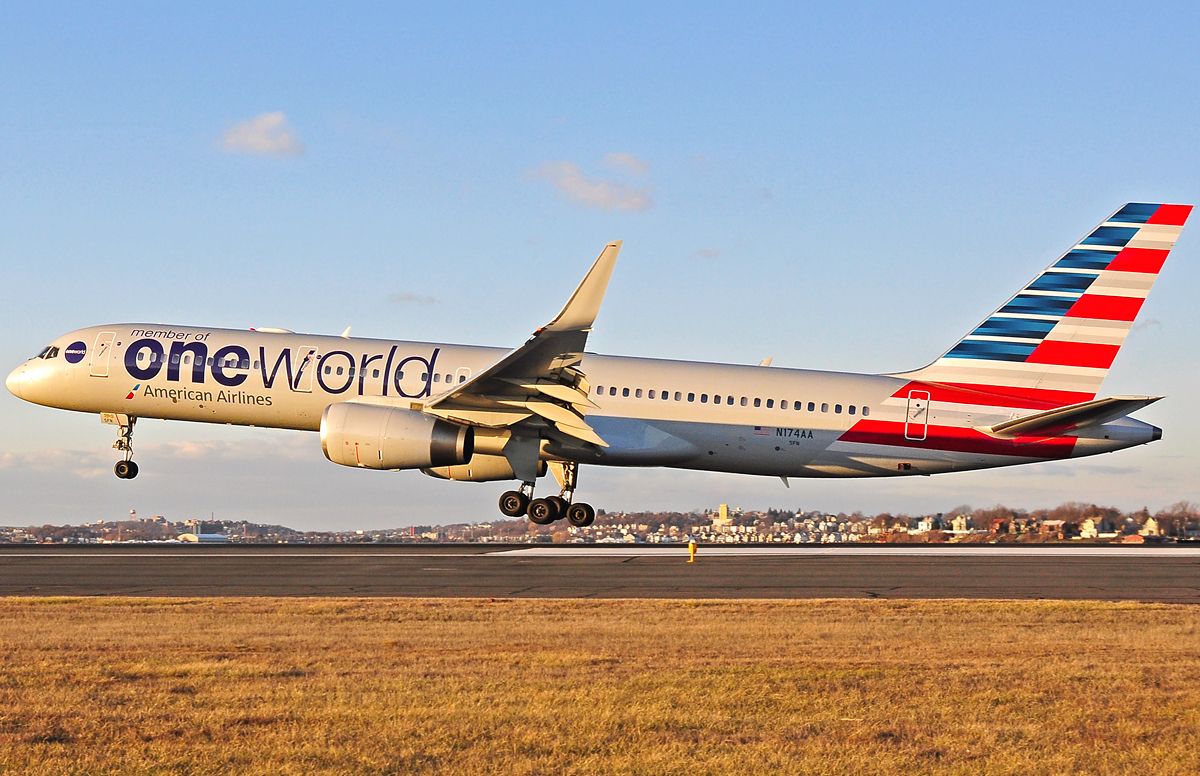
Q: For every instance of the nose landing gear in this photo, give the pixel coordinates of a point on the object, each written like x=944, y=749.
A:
x=125, y=469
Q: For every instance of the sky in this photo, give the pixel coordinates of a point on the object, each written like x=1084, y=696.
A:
x=846, y=186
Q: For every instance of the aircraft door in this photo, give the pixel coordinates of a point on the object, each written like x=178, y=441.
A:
x=916, y=423
x=102, y=353
x=306, y=357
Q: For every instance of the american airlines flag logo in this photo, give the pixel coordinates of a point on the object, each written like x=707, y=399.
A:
x=762, y=430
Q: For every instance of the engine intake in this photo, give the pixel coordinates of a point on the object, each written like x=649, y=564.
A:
x=373, y=436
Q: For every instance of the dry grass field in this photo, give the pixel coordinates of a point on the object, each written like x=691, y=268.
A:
x=287, y=686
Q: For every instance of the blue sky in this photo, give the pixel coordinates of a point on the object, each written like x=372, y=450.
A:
x=848, y=187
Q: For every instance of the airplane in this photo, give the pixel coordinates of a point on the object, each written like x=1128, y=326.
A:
x=1021, y=387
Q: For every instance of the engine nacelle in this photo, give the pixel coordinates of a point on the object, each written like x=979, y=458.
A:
x=373, y=436
x=481, y=468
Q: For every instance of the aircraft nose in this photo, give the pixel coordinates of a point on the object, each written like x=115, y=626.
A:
x=15, y=380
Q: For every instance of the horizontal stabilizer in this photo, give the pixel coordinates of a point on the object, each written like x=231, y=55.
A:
x=1074, y=416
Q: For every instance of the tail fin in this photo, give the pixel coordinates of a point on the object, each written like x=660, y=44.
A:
x=1054, y=341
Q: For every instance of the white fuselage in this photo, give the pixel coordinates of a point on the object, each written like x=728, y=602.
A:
x=651, y=412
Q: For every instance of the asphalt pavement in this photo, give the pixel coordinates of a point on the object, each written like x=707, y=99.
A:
x=1166, y=574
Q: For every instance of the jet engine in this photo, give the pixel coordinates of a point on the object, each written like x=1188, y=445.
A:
x=373, y=436
x=480, y=468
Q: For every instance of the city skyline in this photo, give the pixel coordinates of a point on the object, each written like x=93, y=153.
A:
x=852, y=197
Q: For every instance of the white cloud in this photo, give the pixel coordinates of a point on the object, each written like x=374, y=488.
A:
x=572, y=183
x=267, y=134
x=623, y=160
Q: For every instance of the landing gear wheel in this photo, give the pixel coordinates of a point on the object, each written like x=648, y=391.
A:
x=581, y=515
x=561, y=505
x=126, y=469
x=543, y=511
x=514, y=503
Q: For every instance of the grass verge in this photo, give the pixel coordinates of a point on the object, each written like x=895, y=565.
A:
x=387, y=686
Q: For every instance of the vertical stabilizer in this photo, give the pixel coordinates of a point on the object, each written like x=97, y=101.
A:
x=1054, y=341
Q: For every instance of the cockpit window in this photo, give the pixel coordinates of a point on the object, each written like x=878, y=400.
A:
x=48, y=352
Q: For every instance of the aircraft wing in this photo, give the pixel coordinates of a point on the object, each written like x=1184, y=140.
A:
x=539, y=384
x=1063, y=419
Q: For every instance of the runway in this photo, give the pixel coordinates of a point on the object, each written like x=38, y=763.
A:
x=1164, y=574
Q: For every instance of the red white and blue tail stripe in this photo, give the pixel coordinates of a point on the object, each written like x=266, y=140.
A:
x=1054, y=341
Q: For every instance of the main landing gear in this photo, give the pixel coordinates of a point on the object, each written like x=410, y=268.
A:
x=125, y=469
x=544, y=511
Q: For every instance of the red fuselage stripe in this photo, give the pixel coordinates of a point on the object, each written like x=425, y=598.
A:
x=996, y=395
x=958, y=440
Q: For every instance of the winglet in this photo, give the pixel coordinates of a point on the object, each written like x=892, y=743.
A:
x=579, y=313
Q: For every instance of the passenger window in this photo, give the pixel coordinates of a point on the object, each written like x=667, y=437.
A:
x=339, y=370
x=729, y=401
x=824, y=407
x=798, y=406
x=625, y=392
x=612, y=390
x=399, y=375
x=744, y=401
x=691, y=397
x=462, y=378
x=374, y=373
x=704, y=398
x=437, y=378
x=812, y=406
x=850, y=409
x=424, y=377
x=770, y=404
x=837, y=409
x=351, y=371
x=783, y=405
x=866, y=411
x=666, y=395
x=650, y=394
x=599, y=390
x=757, y=402
x=328, y=370
x=449, y=378
x=256, y=367
x=638, y=393
x=678, y=396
